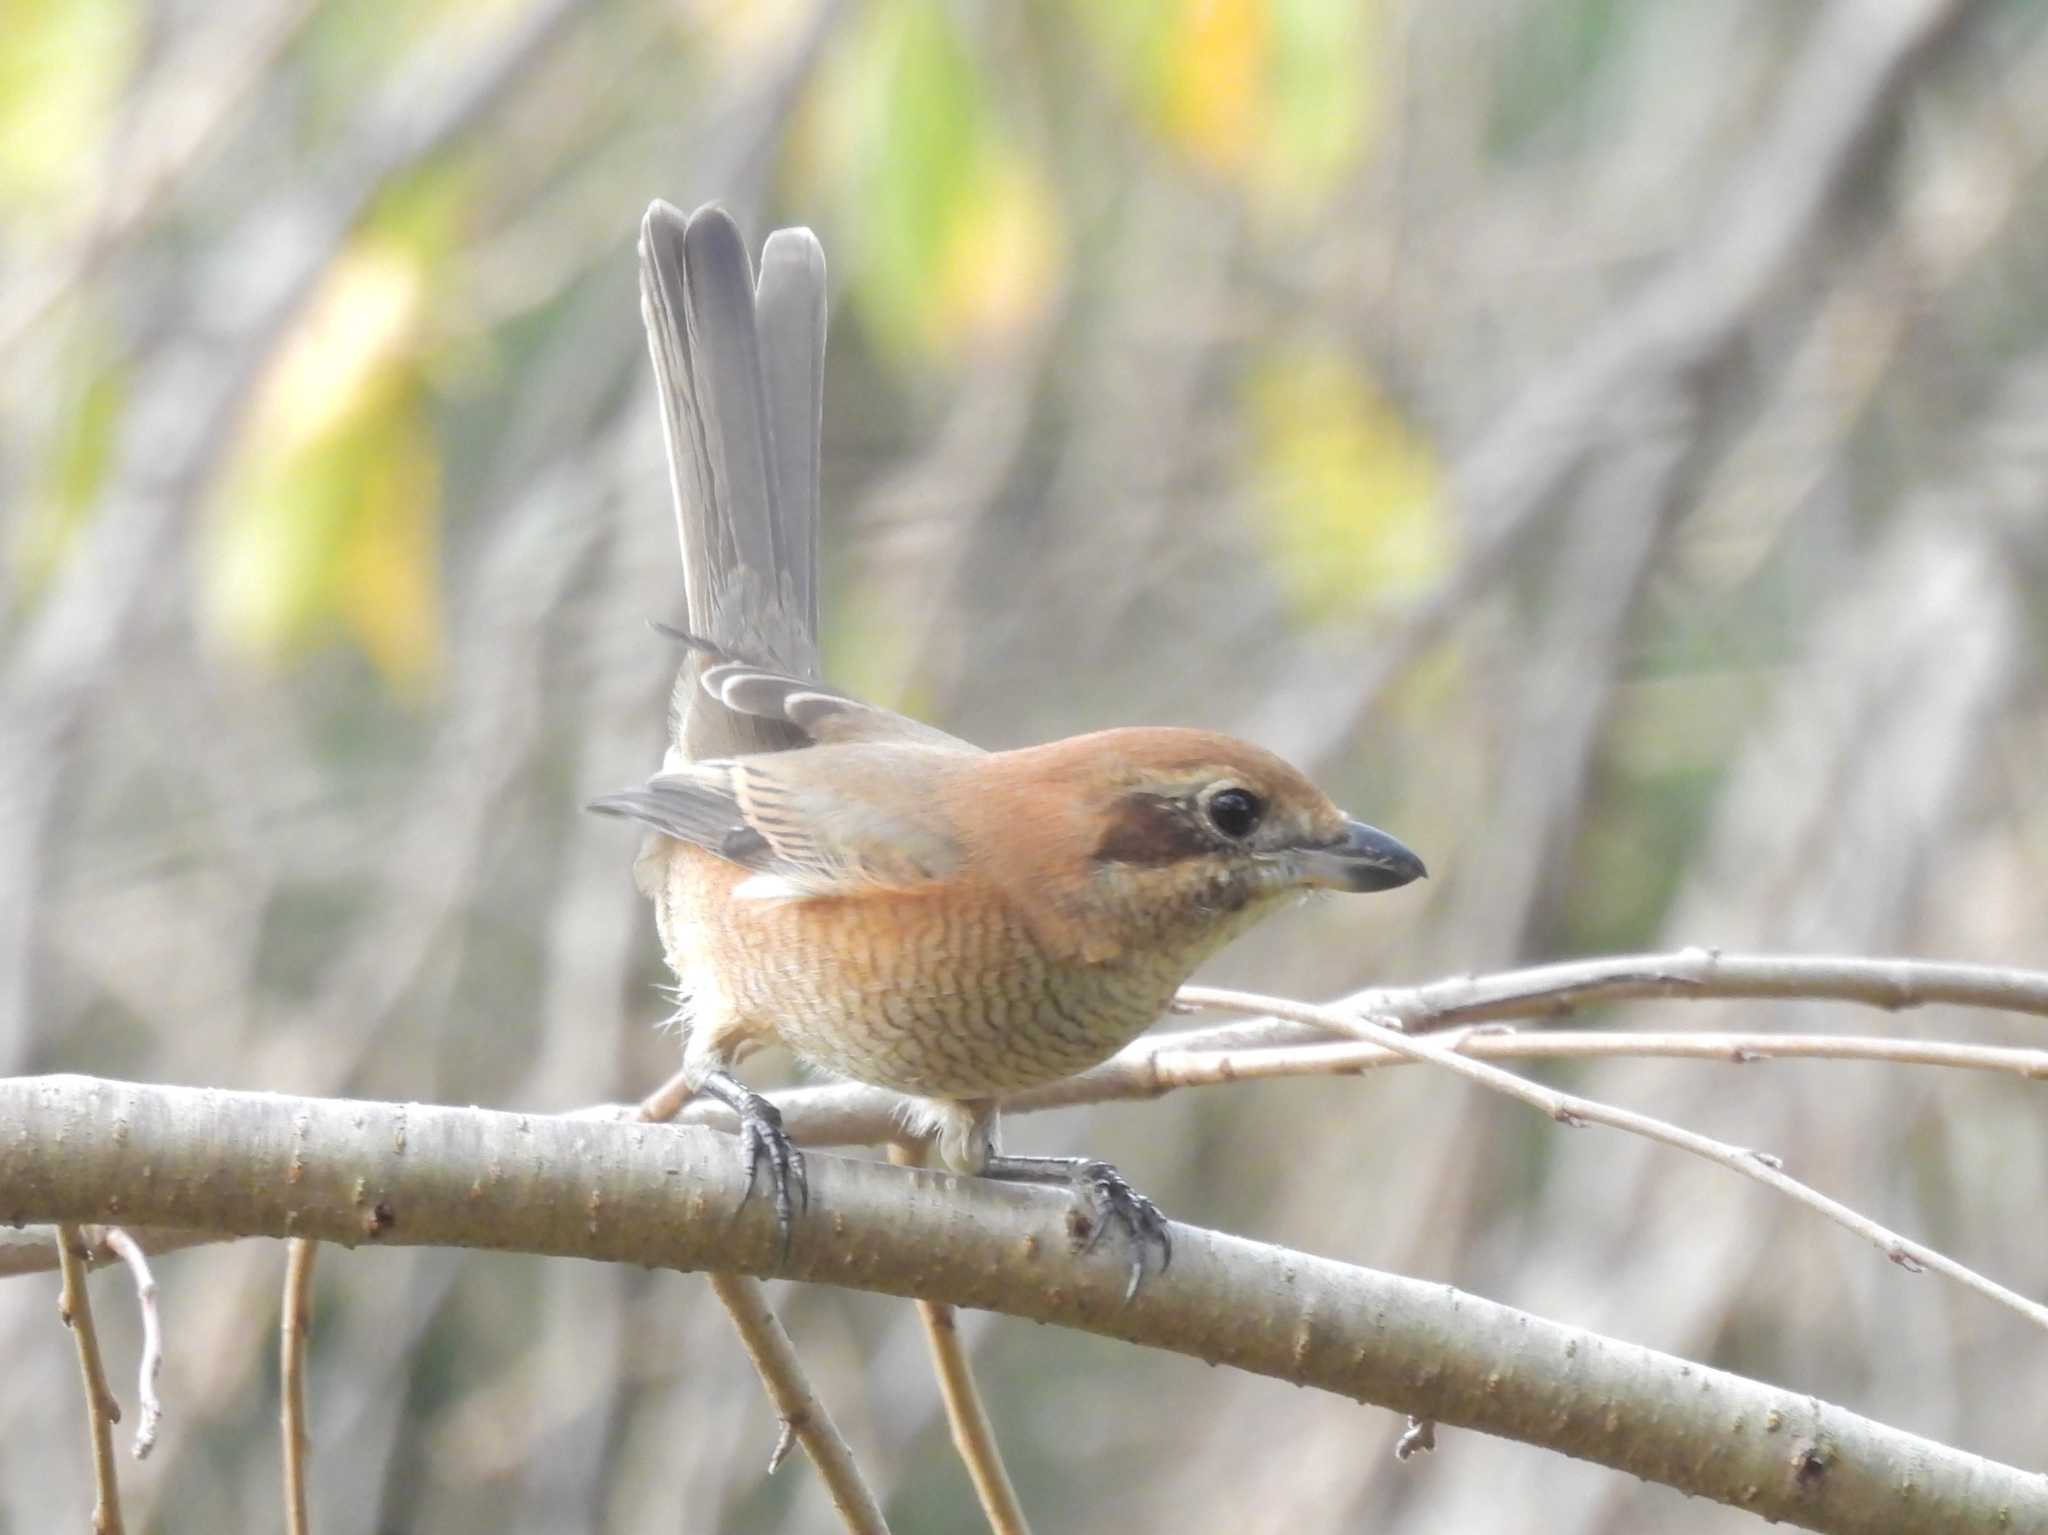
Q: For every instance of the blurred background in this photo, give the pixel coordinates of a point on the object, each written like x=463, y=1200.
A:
x=1606, y=442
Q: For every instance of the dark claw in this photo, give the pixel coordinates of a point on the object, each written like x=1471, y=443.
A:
x=1110, y=1201
x=1113, y=1201
x=763, y=1141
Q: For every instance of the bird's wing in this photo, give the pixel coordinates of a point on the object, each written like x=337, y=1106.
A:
x=825, y=715
x=830, y=820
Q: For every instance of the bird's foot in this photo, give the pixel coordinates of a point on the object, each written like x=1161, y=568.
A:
x=1109, y=1200
x=765, y=1144
x=1112, y=1201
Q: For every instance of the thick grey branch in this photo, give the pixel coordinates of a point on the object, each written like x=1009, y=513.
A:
x=245, y=1164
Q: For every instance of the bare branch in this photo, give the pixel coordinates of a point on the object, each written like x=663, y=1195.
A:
x=1164, y=1070
x=295, y=1325
x=1695, y=974
x=33, y=1249
x=803, y=1413
x=130, y=1252
x=101, y=1410
x=1570, y=1109
x=849, y=1114
x=667, y=1196
x=973, y=1435
x=666, y=1101
x=804, y=1417
x=852, y=1115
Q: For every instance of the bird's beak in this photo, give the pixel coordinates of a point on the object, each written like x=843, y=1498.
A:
x=1364, y=858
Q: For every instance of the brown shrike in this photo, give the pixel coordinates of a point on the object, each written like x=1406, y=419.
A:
x=893, y=904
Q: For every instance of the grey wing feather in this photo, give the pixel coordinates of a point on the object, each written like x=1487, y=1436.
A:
x=807, y=838
x=694, y=812
x=823, y=714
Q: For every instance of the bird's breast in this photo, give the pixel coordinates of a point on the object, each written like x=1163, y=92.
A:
x=941, y=993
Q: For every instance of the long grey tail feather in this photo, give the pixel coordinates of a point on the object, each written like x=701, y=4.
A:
x=789, y=314
x=741, y=378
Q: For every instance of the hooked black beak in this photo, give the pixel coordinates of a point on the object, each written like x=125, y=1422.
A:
x=1363, y=859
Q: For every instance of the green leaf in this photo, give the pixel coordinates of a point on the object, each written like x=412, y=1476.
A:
x=951, y=233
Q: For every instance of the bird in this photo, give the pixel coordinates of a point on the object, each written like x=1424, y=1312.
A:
x=892, y=904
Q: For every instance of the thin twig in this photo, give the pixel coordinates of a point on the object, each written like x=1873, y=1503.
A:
x=667, y=1100
x=850, y=1114
x=1696, y=973
x=294, y=1327
x=1570, y=1109
x=129, y=1251
x=785, y=1441
x=102, y=1412
x=802, y=1412
x=804, y=1416
x=973, y=1435
x=1162, y=1070
x=1684, y=975
x=1419, y=1438
x=33, y=1249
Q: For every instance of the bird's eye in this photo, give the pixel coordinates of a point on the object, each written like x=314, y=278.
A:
x=1235, y=812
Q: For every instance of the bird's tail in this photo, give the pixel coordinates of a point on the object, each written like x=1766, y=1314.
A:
x=741, y=371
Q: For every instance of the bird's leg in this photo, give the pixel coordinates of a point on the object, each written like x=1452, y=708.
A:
x=763, y=1142
x=1110, y=1201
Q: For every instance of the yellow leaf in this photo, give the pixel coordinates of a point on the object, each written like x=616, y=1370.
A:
x=330, y=518
x=1214, y=106
x=1280, y=97
x=368, y=313
x=951, y=234
x=1000, y=259
x=387, y=587
x=1346, y=494
x=270, y=546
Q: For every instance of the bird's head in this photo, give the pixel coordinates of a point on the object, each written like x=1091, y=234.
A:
x=1183, y=838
